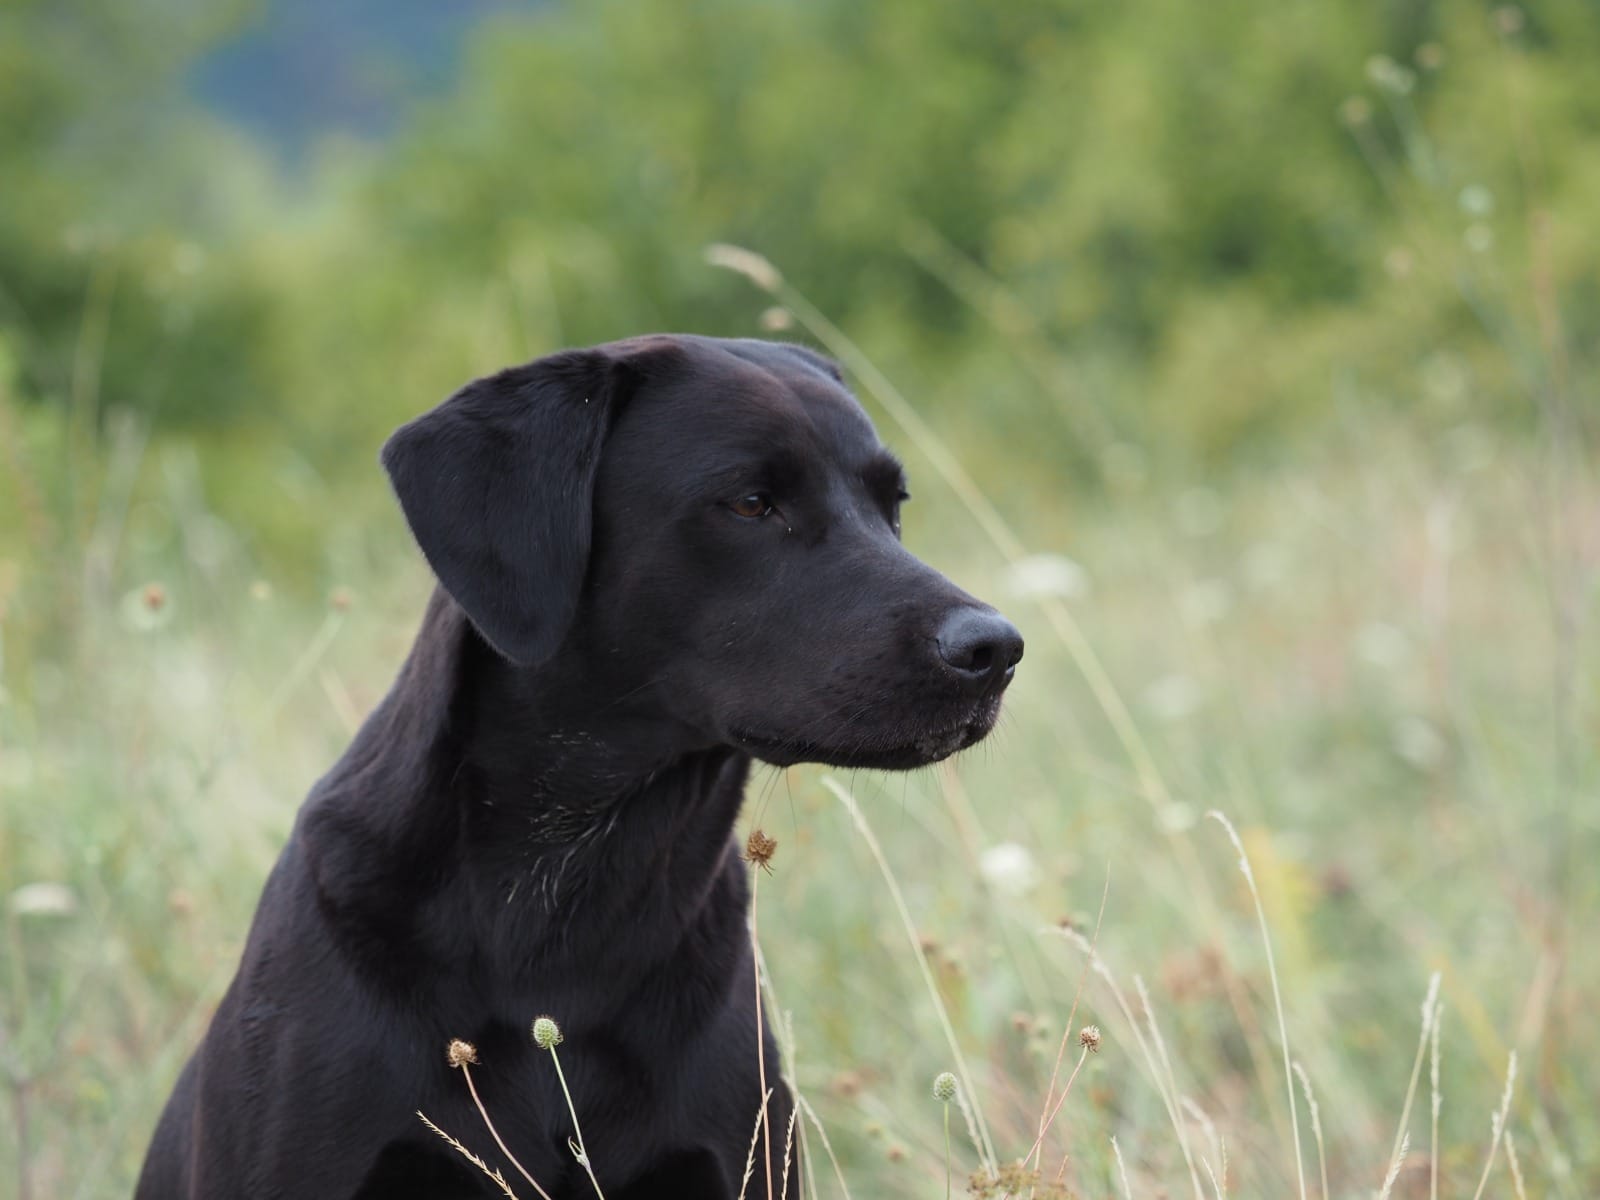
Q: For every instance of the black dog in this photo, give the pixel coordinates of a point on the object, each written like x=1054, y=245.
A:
x=657, y=559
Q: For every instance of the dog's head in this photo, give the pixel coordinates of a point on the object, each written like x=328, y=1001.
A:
x=708, y=531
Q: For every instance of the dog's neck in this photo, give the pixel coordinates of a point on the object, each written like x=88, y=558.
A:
x=493, y=781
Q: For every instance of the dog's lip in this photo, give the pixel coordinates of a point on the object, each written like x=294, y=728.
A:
x=929, y=746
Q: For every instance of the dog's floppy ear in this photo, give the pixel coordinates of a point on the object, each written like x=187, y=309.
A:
x=497, y=485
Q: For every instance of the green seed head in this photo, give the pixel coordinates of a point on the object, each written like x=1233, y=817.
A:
x=944, y=1087
x=546, y=1033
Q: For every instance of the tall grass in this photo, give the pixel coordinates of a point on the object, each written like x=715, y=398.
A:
x=1372, y=651
x=138, y=778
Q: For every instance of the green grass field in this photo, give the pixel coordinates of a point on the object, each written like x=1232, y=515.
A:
x=1373, y=654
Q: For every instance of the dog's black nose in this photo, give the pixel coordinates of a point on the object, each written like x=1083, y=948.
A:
x=981, y=646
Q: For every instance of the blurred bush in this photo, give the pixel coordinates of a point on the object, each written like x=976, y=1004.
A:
x=1163, y=230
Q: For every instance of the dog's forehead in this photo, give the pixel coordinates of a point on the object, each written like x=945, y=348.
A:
x=764, y=396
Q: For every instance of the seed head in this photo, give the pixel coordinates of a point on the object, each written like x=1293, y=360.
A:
x=1089, y=1038
x=1356, y=110
x=759, y=849
x=944, y=1087
x=1508, y=19
x=461, y=1053
x=546, y=1033
x=747, y=263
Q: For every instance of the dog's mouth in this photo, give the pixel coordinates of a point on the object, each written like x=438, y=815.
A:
x=901, y=749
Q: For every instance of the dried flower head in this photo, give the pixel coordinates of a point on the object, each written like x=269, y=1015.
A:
x=944, y=1087
x=461, y=1053
x=1089, y=1038
x=546, y=1033
x=1014, y=1179
x=847, y=1084
x=759, y=849
x=1356, y=110
x=748, y=263
x=1509, y=19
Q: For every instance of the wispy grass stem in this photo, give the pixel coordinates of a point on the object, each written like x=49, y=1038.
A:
x=978, y=1127
x=1277, y=994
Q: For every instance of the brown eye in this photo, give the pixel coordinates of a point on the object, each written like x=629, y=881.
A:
x=757, y=504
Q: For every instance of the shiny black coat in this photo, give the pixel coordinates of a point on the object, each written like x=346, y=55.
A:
x=656, y=559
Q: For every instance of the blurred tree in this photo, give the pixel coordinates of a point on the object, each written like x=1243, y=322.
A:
x=114, y=188
x=1186, y=228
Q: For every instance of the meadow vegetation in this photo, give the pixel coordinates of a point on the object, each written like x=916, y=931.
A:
x=1244, y=354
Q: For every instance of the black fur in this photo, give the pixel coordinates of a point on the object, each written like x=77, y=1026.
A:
x=537, y=819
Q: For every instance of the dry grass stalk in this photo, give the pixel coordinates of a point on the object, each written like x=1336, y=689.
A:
x=977, y=1127
x=1438, y=1102
x=462, y=1055
x=758, y=853
x=1558, y=1162
x=1316, y=1126
x=755, y=1138
x=1394, y=1167
x=1498, y=1123
x=1050, y=1117
x=470, y=1156
x=1168, y=1100
x=1277, y=993
x=1166, y=1067
x=827, y=1146
x=1430, y=1005
x=1047, y=1114
x=1219, y=1144
x=1122, y=1170
x=788, y=1154
x=1155, y=1036
x=757, y=269
x=805, y=1153
x=1516, y=1167
x=783, y=1030
x=969, y=1114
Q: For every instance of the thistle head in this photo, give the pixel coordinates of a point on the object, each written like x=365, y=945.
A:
x=759, y=849
x=546, y=1033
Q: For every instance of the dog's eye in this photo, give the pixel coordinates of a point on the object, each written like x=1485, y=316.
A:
x=756, y=504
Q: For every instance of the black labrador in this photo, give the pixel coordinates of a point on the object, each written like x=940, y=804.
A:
x=658, y=559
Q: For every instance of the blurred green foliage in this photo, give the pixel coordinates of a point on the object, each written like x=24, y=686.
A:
x=1282, y=318
x=1188, y=229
